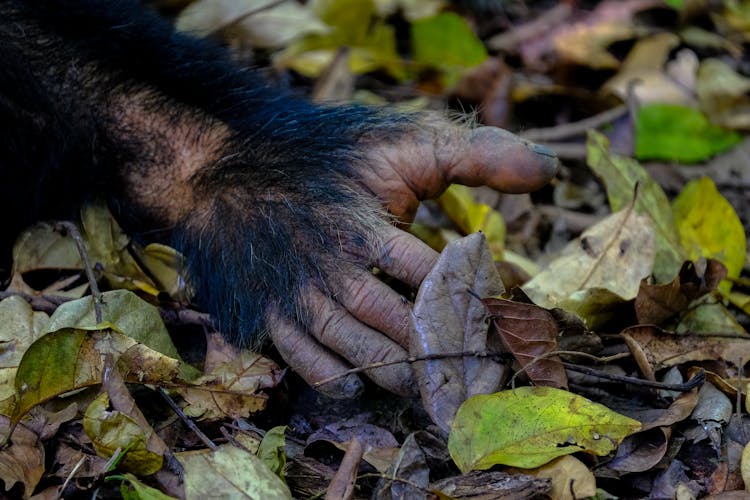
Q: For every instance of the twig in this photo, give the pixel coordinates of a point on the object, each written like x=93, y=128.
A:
x=46, y=303
x=191, y=425
x=697, y=380
x=413, y=359
x=72, y=230
x=567, y=130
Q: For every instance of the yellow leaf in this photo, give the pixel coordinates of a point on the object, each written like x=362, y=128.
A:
x=115, y=432
x=471, y=217
x=709, y=227
x=530, y=426
x=745, y=466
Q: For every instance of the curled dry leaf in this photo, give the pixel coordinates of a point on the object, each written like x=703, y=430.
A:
x=530, y=333
x=448, y=319
x=654, y=348
x=657, y=303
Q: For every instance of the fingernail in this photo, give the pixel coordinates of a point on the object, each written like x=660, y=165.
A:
x=542, y=150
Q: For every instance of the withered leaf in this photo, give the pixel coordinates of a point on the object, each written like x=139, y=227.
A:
x=657, y=303
x=530, y=333
x=449, y=319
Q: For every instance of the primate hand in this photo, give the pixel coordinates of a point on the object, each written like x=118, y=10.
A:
x=362, y=320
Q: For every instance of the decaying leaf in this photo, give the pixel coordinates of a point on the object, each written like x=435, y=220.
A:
x=600, y=269
x=450, y=319
x=21, y=460
x=658, y=303
x=620, y=176
x=529, y=426
x=232, y=388
x=229, y=472
x=113, y=431
x=660, y=349
x=530, y=333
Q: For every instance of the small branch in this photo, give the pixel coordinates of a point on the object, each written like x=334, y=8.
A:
x=413, y=359
x=574, y=129
x=72, y=230
x=191, y=425
x=694, y=382
x=45, y=303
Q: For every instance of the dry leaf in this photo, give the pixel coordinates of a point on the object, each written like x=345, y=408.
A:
x=450, y=319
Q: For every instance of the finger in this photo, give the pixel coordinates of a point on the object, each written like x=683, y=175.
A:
x=405, y=257
x=376, y=304
x=499, y=159
x=433, y=153
x=335, y=328
x=312, y=361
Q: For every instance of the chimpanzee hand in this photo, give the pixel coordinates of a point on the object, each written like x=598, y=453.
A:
x=278, y=206
x=361, y=319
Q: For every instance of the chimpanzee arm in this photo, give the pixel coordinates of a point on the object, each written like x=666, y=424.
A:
x=278, y=205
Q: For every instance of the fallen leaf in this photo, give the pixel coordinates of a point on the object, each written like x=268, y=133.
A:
x=658, y=303
x=273, y=27
x=529, y=426
x=571, y=478
x=679, y=133
x=642, y=451
x=661, y=349
x=642, y=75
x=113, y=431
x=22, y=460
x=599, y=270
x=450, y=319
x=723, y=94
x=459, y=205
x=620, y=176
x=229, y=472
x=530, y=333
x=408, y=476
x=709, y=227
x=447, y=42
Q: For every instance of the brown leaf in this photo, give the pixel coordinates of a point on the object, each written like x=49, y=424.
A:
x=660, y=349
x=22, y=460
x=655, y=304
x=529, y=332
x=641, y=452
x=450, y=320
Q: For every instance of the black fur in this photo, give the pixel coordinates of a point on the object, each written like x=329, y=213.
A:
x=98, y=97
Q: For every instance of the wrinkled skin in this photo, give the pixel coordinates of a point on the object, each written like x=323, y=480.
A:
x=277, y=204
x=368, y=322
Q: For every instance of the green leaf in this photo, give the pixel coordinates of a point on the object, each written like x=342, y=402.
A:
x=620, y=176
x=271, y=450
x=679, y=133
x=675, y=4
x=529, y=426
x=133, y=489
x=709, y=227
x=446, y=42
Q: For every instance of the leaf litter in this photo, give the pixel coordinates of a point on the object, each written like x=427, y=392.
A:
x=651, y=286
